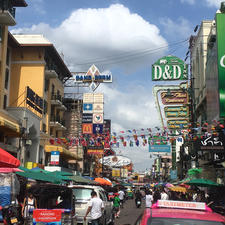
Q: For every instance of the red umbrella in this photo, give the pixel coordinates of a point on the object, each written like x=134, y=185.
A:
x=7, y=160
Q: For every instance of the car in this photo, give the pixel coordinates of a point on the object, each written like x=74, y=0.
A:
x=166, y=212
x=82, y=195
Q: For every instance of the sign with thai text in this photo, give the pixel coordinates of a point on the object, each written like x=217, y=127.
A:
x=177, y=124
x=176, y=111
x=169, y=68
x=174, y=98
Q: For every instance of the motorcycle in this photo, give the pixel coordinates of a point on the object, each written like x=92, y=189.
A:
x=138, y=203
x=11, y=215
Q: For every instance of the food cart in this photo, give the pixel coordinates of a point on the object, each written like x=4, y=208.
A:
x=55, y=205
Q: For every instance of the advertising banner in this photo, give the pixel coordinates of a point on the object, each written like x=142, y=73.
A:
x=97, y=128
x=176, y=111
x=160, y=148
x=169, y=68
x=54, y=158
x=220, y=28
x=98, y=118
x=46, y=217
x=88, y=108
x=87, y=128
x=95, y=150
x=177, y=124
x=116, y=172
x=87, y=118
x=98, y=108
x=88, y=97
x=174, y=98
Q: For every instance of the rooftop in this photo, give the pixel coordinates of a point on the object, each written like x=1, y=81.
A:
x=31, y=39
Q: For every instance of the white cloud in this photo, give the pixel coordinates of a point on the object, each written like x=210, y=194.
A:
x=179, y=29
x=209, y=3
x=105, y=35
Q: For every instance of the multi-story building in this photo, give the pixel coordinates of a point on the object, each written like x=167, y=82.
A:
x=10, y=126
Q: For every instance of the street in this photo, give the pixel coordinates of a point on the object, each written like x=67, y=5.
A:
x=129, y=213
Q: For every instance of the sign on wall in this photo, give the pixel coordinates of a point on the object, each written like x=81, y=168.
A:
x=177, y=124
x=87, y=128
x=54, y=158
x=87, y=118
x=169, y=68
x=98, y=118
x=97, y=128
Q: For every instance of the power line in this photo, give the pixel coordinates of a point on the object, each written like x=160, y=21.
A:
x=126, y=56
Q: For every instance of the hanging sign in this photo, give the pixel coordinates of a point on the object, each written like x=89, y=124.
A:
x=174, y=98
x=176, y=111
x=87, y=107
x=95, y=150
x=160, y=148
x=169, y=68
x=97, y=128
x=177, y=124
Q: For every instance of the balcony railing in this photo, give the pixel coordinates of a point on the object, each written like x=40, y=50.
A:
x=7, y=13
x=57, y=119
x=57, y=97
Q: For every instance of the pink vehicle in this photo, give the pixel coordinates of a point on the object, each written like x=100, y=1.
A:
x=180, y=213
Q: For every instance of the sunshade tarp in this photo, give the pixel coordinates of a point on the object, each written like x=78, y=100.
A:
x=7, y=160
x=202, y=183
x=79, y=179
x=40, y=176
x=178, y=189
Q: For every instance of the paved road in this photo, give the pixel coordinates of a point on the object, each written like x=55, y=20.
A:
x=129, y=213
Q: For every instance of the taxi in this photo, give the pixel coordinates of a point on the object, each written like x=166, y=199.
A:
x=166, y=212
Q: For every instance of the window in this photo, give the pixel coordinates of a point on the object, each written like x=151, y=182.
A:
x=46, y=85
x=82, y=193
x=5, y=102
x=6, y=78
x=44, y=127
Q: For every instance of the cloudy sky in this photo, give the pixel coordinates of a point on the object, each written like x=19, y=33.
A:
x=124, y=37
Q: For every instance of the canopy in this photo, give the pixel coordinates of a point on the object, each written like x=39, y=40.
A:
x=103, y=181
x=82, y=180
x=7, y=160
x=9, y=170
x=202, y=183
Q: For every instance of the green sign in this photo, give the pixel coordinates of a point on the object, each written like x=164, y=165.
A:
x=169, y=68
x=176, y=111
x=177, y=124
x=220, y=29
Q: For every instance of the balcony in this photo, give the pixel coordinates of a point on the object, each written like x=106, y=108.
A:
x=7, y=13
x=8, y=148
x=50, y=74
x=57, y=122
x=56, y=100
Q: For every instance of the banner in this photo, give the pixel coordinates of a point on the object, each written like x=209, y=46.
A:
x=220, y=28
x=45, y=216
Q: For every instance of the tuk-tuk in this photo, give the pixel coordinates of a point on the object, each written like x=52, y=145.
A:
x=55, y=205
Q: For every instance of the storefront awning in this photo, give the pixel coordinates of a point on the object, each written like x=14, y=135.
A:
x=7, y=160
x=63, y=151
x=10, y=125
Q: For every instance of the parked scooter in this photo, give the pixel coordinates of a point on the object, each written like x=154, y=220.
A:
x=12, y=215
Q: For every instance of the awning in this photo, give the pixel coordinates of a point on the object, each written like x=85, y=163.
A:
x=7, y=160
x=9, y=124
x=64, y=151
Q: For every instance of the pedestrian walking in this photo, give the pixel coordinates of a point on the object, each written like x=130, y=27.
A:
x=116, y=205
x=29, y=203
x=95, y=208
x=164, y=195
x=148, y=199
x=121, y=197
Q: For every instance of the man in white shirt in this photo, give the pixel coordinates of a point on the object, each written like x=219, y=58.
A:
x=95, y=207
x=164, y=196
x=148, y=199
x=121, y=197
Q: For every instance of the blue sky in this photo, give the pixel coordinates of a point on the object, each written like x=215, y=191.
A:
x=124, y=37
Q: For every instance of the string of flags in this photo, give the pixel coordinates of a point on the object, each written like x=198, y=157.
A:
x=143, y=137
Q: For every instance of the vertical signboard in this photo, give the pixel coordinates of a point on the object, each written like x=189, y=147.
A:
x=55, y=158
x=220, y=28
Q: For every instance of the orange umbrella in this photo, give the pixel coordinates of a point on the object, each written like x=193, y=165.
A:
x=103, y=181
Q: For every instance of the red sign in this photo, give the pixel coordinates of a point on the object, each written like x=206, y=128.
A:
x=87, y=128
x=95, y=151
x=174, y=98
x=45, y=215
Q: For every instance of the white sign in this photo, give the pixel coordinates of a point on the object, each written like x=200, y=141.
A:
x=55, y=157
x=98, y=108
x=115, y=161
x=98, y=118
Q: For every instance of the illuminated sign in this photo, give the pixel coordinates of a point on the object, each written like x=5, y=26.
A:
x=177, y=124
x=169, y=68
x=174, y=98
x=176, y=111
x=93, y=75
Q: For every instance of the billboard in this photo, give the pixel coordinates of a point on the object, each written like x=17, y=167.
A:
x=220, y=28
x=160, y=148
x=87, y=128
x=169, y=68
